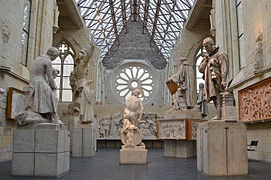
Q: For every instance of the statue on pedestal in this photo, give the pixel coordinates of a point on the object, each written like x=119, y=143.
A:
x=86, y=104
x=130, y=134
x=215, y=67
x=184, y=79
x=41, y=101
x=78, y=79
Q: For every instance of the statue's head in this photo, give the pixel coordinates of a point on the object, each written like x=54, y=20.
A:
x=137, y=92
x=53, y=53
x=82, y=53
x=208, y=44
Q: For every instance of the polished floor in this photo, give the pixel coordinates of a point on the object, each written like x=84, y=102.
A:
x=105, y=166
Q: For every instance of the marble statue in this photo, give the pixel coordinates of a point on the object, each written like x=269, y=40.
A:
x=130, y=134
x=184, y=79
x=41, y=102
x=203, y=108
x=86, y=104
x=215, y=67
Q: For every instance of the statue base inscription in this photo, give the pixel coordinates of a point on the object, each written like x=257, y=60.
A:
x=222, y=148
x=133, y=155
x=43, y=150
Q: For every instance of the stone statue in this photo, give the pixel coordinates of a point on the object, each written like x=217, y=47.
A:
x=80, y=73
x=184, y=79
x=86, y=105
x=130, y=133
x=41, y=102
x=214, y=66
x=203, y=107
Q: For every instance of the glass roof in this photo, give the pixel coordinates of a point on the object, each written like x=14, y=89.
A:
x=162, y=20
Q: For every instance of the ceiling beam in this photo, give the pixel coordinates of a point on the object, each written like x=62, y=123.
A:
x=146, y=10
x=124, y=18
x=114, y=20
x=135, y=13
x=171, y=11
x=155, y=20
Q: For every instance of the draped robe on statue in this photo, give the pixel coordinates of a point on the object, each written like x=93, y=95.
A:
x=215, y=70
x=185, y=80
x=41, y=97
x=86, y=105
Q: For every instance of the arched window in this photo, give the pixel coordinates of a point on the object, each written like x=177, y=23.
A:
x=198, y=61
x=65, y=64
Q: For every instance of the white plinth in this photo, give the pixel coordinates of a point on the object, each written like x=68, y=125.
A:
x=41, y=152
x=180, y=148
x=222, y=148
x=83, y=142
x=134, y=155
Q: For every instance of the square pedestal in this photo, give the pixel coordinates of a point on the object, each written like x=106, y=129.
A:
x=83, y=142
x=222, y=148
x=180, y=148
x=134, y=155
x=41, y=152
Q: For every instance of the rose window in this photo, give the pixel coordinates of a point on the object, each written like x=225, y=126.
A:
x=131, y=78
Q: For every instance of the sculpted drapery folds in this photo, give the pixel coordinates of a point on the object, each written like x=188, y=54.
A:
x=184, y=79
x=41, y=102
x=214, y=66
x=86, y=104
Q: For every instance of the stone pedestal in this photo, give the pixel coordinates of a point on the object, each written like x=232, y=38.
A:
x=41, y=151
x=83, y=142
x=133, y=155
x=178, y=129
x=222, y=148
x=180, y=148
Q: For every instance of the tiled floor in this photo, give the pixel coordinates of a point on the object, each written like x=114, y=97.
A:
x=105, y=166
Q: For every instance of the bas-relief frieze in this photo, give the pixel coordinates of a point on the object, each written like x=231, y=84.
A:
x=255, y=102
x=110, y=126
x=172, y=129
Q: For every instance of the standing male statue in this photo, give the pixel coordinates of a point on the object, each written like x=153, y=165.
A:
x=80, y=73
x=184, y=79
x=41, y=103
x=130, y=133
x=215, y=67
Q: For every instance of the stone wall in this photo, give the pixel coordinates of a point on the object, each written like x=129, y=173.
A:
x=188, y=44
x=260, y=132
x=12, y=72
x=256, y=22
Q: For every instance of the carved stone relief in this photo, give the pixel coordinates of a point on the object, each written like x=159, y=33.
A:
x=5, y=33
x=172, y=129
x=110, y=126
x=255, y=102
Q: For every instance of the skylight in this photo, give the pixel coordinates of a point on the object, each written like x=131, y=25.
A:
x=161, y=19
